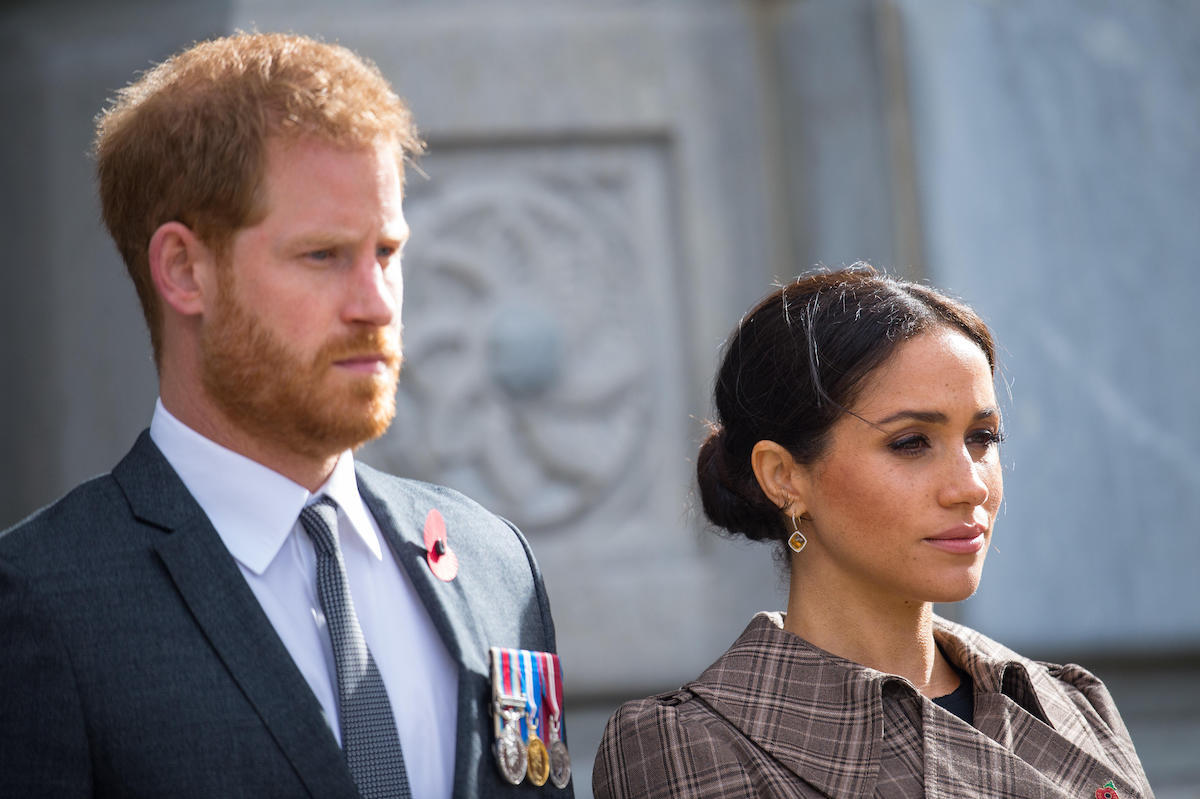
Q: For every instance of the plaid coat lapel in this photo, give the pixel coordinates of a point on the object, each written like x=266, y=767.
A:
x=1092, y=717
x=817, y=715
x=1039, y=738
x=960, y=763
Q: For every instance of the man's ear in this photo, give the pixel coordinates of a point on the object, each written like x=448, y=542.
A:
x=781, y=478
x=181, y=267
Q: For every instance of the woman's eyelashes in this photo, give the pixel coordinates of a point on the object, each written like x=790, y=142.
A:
x=987, y=437
x=912, y=444
x=918, y=443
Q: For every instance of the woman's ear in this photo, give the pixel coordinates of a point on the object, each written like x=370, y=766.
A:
x=781, y=478
x=181, y=267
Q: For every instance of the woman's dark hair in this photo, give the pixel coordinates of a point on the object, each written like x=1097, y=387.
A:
x=795, y=364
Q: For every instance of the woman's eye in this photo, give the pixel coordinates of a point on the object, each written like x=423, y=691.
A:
x=986, y=437
x=910, y=444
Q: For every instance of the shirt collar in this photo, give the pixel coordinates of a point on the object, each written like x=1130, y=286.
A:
x=252, y=507
x=342, y=488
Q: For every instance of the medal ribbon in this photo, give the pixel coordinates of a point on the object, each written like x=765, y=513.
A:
x=514, y=687
x=502, y=682
x=532, y=674
x=506, y=672
x=552, y=668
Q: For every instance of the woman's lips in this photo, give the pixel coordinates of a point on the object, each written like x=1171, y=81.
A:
x=964, y=539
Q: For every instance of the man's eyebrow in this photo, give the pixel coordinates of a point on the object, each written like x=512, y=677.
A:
x=316, y=241
x=332, y=238
x=933, y=417
x=399, y=234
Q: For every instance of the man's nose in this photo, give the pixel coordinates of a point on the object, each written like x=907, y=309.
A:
x=372, y=298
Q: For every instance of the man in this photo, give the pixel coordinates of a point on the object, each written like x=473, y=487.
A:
x=239, y=609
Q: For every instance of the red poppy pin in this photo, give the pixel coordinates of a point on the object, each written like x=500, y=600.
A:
x=1109, y=791
x=441, y=558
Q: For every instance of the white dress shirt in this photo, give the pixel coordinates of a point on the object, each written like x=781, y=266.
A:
x=256, y=513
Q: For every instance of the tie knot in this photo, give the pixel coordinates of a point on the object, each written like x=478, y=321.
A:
x=319, y=520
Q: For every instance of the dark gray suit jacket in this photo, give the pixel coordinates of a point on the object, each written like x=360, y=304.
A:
x=136, y=661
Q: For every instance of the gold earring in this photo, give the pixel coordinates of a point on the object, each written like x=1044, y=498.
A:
x=797, y=542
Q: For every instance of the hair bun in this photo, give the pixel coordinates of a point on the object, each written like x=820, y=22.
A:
x=730, y=501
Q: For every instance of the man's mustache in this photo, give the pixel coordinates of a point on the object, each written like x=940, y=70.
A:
x=373, y=343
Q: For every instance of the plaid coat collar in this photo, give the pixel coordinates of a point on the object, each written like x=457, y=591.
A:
x=822, y=717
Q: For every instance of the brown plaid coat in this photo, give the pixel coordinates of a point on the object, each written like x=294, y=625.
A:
x=777, y=717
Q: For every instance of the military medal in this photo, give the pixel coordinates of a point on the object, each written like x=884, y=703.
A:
x=510, y=750
x=508, y=707
x=560, y=759
x=527, y=706
x=537, y=757
x=538, y=762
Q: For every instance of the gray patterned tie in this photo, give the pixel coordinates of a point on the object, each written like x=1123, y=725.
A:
x=369, y=739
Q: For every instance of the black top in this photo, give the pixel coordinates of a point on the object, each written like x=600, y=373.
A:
x=960, y=701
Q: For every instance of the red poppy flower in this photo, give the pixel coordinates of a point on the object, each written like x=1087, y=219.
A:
x=1106, y=793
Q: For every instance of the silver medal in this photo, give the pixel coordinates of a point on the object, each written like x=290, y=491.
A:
x=507, y=711
x=510, y=751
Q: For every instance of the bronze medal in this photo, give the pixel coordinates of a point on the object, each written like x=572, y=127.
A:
x=539, y=761
x=560, y=764
x=560, y=760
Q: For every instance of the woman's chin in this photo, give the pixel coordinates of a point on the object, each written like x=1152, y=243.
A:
x=955, y=590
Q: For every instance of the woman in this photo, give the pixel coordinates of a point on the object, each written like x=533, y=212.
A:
x=857, y=427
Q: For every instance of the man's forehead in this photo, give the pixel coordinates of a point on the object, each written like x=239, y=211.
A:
x=286, y=140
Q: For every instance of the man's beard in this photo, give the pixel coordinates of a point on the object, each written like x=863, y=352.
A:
x=271, y=393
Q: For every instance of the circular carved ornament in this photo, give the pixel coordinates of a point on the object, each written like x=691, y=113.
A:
x=528, y=347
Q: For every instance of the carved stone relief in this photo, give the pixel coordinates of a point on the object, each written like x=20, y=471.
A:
x=539, y=331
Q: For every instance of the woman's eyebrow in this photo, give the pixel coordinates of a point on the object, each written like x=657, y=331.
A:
x=933, y=417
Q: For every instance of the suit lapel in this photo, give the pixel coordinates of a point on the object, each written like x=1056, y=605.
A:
x=402, y=522
x=228, y=613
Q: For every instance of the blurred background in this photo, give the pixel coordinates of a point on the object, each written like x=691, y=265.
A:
x=609, y=185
